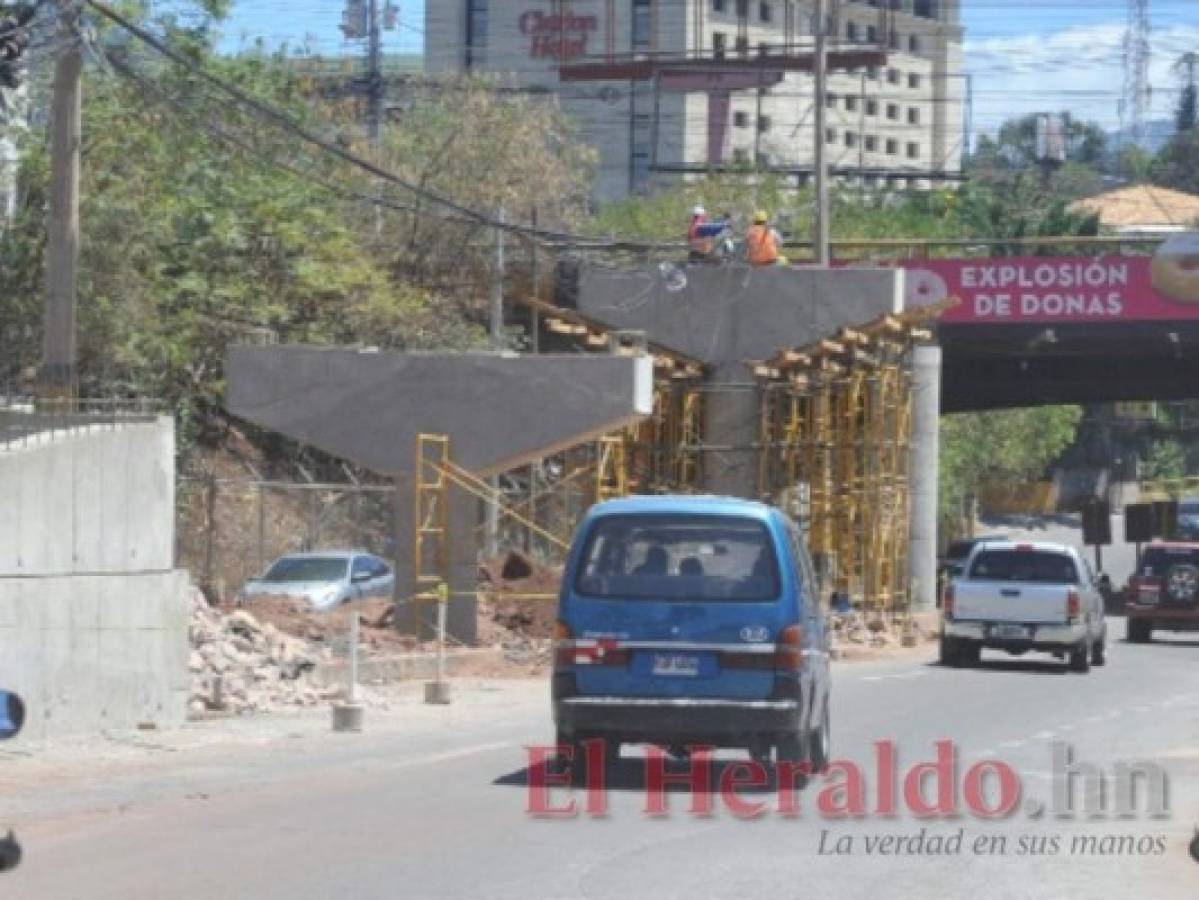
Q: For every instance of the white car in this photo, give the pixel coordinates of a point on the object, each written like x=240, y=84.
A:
x=1020, y=597
x=325, y=579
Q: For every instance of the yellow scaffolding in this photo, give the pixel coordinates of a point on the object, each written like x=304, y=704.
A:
x=834, y=445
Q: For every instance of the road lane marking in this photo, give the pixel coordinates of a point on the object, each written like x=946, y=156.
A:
x=450, y=755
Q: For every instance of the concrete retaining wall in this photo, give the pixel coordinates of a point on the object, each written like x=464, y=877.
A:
x=93, y=618
x=98, y=500
x=95, y=652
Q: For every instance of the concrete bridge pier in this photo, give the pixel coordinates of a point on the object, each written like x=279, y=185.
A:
x=923, y=476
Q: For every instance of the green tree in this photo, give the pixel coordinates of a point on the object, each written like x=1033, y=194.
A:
x=1133, y=163
x=204, y=224
x=1187, y=115
x=1177, y=165
x=1019, y=446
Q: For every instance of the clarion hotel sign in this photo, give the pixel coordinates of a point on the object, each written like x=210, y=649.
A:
x=556, y=35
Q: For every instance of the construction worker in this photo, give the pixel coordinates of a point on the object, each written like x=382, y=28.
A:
x=703, y=236
x=762, y=243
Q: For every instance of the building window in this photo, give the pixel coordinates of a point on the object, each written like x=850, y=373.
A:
x=893, y=40
x=851, y=31
x=872, y=73
x=718, y=44
x=913, y=115
x=830, y=136
x=718, y=6
x=851, y=103
x=765, y=12
x=871, y=34
x=913, y=151
x=763, y=123
x=763, y=49
x=742, y=45
x=893, y=111
x=892, y=146
x=914, y=43
x=641, y=24
x=743, y=8
x=851, y=139
x=830, y=100
x=871, y=142
x=924, y=8
x=740, y=155
x=476, y=33
x=872, y=107
x=914, y=81
x=893, y=76
x=741, y=119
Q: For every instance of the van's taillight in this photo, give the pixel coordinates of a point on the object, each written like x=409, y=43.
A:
x=947, y=599
x=569, y=652
x=1073, y=605
x=789, y=652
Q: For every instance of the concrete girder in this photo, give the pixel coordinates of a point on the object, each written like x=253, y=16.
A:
x=499, y=411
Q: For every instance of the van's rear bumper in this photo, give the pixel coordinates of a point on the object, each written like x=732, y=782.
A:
x=676, y=719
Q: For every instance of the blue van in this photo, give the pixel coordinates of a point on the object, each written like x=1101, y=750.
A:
x=687, y=621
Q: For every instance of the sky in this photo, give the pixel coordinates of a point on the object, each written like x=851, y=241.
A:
x=1023, y=55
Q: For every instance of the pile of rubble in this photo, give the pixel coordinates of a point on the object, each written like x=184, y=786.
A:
x=872, y=630
x=240, y=665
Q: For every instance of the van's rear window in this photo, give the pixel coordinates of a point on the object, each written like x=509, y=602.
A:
x=1024, y=565
x=678, y=557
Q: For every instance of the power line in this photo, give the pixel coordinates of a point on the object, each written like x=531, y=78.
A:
x=286, y=122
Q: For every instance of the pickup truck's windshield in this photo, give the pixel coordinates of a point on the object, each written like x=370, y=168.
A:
x=1024, y=565
x=678, y=557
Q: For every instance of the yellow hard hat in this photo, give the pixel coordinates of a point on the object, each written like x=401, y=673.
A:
x=760, y=217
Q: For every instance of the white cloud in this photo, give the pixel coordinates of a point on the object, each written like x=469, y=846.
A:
x=1077, y=69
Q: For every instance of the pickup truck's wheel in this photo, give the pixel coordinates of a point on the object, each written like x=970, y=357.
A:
x=1080, y=658
x=1140, y=631
x=949, y=651
x=969, y=653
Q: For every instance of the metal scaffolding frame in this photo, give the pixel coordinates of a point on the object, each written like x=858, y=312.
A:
x=834, y=446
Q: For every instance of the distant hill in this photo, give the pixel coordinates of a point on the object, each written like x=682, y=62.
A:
x=1157, y=133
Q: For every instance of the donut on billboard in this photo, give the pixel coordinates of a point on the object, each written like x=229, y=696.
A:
x=923, y=288
x=1174, y=271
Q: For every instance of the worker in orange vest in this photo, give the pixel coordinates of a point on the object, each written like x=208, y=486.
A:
x=762, y=243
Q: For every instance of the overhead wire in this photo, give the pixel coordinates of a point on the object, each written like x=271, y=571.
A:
x=285, y=121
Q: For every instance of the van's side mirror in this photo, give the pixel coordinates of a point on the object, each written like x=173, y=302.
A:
x=12, y=714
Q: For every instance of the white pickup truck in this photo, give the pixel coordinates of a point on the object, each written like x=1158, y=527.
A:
x=1018, y=596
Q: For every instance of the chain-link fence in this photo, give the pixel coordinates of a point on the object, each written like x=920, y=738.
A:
x=230, y=530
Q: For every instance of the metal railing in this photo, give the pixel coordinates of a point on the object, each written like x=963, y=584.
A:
x=27, y=420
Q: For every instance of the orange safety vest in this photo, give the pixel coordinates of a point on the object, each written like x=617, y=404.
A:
x=760, y=246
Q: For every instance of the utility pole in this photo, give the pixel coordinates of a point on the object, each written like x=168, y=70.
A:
x=497, y=344
x=820, y=159
x=374, y=54
x=58, y=379
x=374, y=94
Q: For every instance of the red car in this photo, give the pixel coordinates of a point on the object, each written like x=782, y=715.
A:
x=1164, y=592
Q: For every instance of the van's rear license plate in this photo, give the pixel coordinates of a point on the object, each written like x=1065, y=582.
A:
x=676, y=664
x=1011, y=632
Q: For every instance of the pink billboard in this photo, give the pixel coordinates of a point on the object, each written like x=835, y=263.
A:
x=1077, y=290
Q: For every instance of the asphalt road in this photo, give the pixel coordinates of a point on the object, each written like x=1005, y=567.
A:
x=431, y=802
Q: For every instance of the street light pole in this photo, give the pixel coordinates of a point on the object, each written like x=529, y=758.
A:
x=820, y=236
